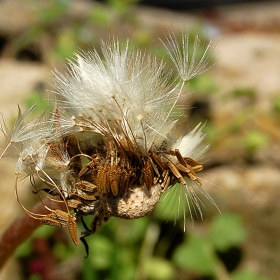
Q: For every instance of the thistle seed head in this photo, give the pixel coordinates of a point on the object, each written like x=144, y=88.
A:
x=107, y=149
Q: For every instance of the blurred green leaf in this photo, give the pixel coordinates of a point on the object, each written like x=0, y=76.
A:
x=255, y=140
x=30, y=36
x=196, y=255
x=240, y=92
x=158, y=269
x=247, y=275
x=211, y=132
x=121, y=6
x=131, y=231
x=25, y=248
x=66, y=44
x=63, y=251
x=55, y=10
x=124, y=265
x=142, y=38
x=44, y=231
x=169, y=206
x=88, y=272
x=101, y=251
x=100, y=16
x=226, y=230
x=203, y=83
x=38, y=99
x=276, y=104
x=35, y=277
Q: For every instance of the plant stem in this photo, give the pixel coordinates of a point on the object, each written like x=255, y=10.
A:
x=22, y=228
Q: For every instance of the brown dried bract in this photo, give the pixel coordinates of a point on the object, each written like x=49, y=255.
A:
x=112, y=178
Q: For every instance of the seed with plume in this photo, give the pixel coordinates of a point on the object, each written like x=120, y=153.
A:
x=106, y=149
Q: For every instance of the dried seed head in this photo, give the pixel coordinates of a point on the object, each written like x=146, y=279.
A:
x=106, y=149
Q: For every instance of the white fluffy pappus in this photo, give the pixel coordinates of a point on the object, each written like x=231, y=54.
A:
x=116, y=111
x=126, y=92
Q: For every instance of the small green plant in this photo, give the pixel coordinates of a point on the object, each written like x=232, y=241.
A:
x=128, y=250
x=198, y=252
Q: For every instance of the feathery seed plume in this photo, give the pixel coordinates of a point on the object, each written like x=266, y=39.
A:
x=107, y=149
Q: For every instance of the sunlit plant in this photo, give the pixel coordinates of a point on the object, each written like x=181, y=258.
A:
x=106, y=148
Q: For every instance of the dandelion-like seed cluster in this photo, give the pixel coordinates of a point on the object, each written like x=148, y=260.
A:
x=106, y=148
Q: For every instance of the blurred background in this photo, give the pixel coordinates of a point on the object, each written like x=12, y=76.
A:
x=239, y=97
